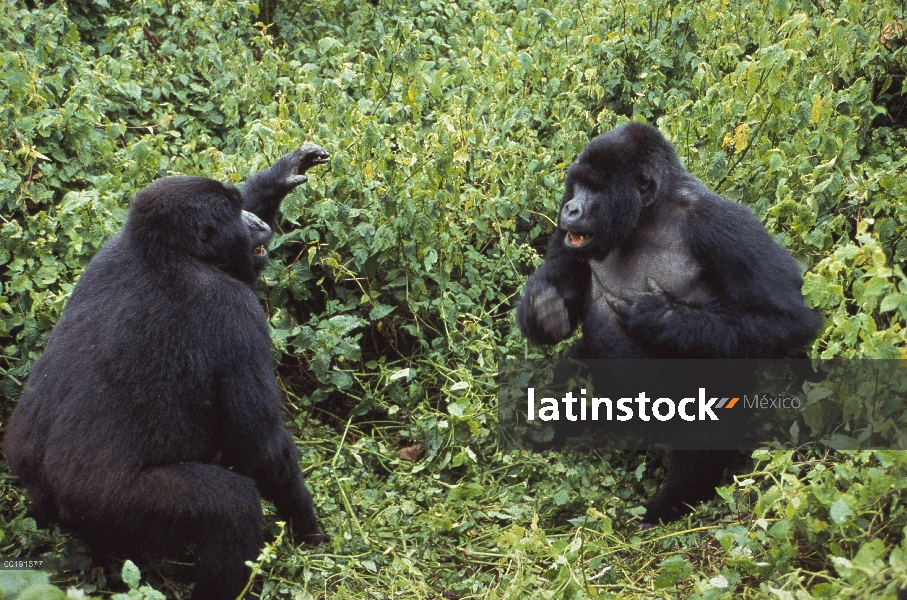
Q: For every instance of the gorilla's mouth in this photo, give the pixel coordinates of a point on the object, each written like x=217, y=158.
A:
x=259, y=250
x=577, y=240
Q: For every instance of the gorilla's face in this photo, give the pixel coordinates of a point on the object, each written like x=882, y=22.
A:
x=239, y=244
x=578, y=219
x=259, y=236
x=599, y=212
x=609, y=186
x=233, y=239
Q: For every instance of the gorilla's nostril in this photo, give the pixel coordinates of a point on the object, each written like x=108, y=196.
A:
x=572, y=210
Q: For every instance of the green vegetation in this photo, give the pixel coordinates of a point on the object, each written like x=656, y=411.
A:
x=392, y=286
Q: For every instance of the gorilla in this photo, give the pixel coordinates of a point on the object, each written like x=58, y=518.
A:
x=656, y=266
x=153, y=419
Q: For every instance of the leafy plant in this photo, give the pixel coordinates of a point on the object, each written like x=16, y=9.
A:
x=395, y=271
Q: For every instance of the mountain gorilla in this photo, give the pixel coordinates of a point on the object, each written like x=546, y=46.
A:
x=654, y=265
x=153, y=418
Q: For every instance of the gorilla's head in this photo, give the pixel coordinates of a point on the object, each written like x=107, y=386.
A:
x=615, y=179
x=177, y=219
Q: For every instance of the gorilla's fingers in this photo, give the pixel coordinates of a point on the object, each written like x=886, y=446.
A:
x=290, y=170
x=305, y=530
x=309, y=155
x=313, y=539
x=296, y=179
x=631, y=297
x=621, y=308
x=552, y=313
x=544, y=297
x=558, y=324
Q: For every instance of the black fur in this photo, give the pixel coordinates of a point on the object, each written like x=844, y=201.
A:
x=668, y=269
x=153, y=418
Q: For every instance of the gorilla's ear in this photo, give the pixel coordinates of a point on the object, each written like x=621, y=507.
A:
x=647, y=188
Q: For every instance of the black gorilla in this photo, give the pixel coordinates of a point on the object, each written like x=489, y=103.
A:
x=654, y=265
x=153, y=418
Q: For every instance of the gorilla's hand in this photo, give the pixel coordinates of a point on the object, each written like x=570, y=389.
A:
x=290, y=169
x=304, y=529
x=545, y=311
x=264, y=191
x=644, y=316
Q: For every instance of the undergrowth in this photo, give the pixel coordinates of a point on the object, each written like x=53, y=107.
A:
x=395, y=271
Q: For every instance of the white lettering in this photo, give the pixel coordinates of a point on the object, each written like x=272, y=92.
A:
x=670, y=405
x=682, y=409
x=596, y=402
x=705, y=408
x=569, y=401
x=549, y=412
x=642, y=400
x=622, y=406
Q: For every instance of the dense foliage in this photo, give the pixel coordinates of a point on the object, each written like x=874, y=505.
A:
x=394, y=276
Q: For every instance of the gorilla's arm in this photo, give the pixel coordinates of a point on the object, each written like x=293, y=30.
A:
x=264, y=191
x=555, y=295
x=758, y=309
x=257, y=444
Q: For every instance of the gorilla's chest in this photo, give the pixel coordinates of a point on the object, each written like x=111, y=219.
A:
x=658, y=253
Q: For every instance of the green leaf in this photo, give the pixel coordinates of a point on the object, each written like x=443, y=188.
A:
x=131, y=575
x=380, y=311
x=840, y=511
x=890, y=302
x=455, y=409
x=876, y=287
x=561, y=497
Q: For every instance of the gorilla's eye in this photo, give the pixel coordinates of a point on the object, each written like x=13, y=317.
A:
x=259, y=251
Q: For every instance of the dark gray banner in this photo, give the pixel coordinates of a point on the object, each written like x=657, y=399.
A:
x=702, y=404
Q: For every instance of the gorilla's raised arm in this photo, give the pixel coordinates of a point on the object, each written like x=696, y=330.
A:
x=264, y=191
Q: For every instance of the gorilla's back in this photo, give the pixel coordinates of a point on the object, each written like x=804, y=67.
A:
x=107, y=353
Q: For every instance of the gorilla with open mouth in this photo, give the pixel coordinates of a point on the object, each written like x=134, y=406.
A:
x=153, y=419
x=652, y=264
